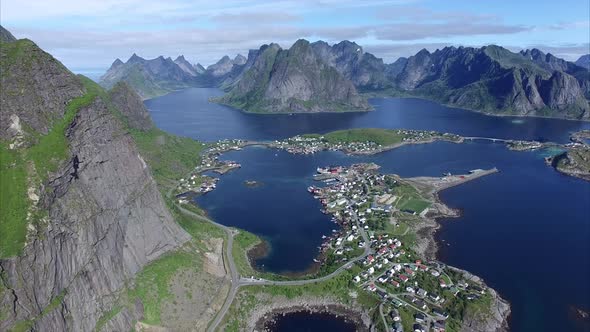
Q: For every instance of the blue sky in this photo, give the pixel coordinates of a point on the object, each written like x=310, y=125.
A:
x=90, y=34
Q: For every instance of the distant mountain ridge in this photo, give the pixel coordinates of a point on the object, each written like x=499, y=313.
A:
x=493, y=79
x=489, y=79
x=584, y=61
x=293, y=80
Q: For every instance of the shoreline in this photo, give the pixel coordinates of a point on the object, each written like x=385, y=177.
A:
x=372, y=108
x=487, y=113
x=267, y=313
x=500, y=308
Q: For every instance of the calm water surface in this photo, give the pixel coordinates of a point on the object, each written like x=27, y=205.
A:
x=525, y=230
x=311, y=322
x=188, y=113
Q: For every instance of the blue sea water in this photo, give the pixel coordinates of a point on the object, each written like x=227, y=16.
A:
x=525, y=230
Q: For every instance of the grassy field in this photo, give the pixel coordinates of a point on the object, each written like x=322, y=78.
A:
x=243, y=242
x=379, y=136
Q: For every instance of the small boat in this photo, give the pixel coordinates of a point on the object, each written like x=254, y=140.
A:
x=315, y=260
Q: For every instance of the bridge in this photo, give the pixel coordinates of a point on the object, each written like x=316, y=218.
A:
x=491, y=139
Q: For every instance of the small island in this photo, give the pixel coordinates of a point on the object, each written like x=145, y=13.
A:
x=363, y=141
x=252, y=183
x=575, y=161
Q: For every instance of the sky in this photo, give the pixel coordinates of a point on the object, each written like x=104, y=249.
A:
x=88, y=35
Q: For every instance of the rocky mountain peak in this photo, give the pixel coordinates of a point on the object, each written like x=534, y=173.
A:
x=117, y=63
x=239, y=60
x=135, y=58
x=5, y=35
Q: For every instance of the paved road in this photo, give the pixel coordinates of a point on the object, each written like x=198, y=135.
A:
x=237, y=281
x=368, y=251
x=382, y=316
x=234, y=275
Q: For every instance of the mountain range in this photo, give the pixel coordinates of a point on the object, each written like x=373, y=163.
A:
x=318, y=77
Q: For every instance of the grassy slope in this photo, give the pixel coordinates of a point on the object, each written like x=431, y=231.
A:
x=33, y=165
x=169, y=157
x=379, y=136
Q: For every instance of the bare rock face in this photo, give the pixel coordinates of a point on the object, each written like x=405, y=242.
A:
x=35, y=89
x=5, y=35
x=185, y=65
x=129, y=103
x=104, y=218
x=293, y=80
x=366, y=71
x=495, y=80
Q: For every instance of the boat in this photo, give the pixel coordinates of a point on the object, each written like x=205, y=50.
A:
x=322, y=170
x=315, y=260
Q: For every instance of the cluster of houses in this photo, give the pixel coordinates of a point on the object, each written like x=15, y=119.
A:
x=313, y=144
x=353, y=196
x=226, y=145
x=421, y=136
x=197, y=184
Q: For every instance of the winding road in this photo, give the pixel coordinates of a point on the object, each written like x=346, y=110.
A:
x=237, y=281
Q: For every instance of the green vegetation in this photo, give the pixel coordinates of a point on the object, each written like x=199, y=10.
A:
x=29, y=167
x=337, y=288
x=414, y=204
x=169, y=157
x=380, y=136
x=13, y=202
x=152, y=284
x=243, y=242
x=106, y=317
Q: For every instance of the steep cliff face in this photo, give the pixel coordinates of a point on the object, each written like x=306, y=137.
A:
x=293, y=80
x=101, y=220
x=128, y=102
x=5, y=35
x=185, y=65
x=366, y=71
x=495, y=80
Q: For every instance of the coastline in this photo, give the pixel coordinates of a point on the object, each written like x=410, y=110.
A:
x=265, y=314
x=499, y=308
x=488, y=113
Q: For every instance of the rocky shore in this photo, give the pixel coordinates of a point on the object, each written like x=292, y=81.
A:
x=427, y=246
x=263, y=316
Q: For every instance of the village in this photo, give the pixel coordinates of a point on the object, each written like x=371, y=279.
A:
x=198, y=182
x=352, y=142
x=375, y=213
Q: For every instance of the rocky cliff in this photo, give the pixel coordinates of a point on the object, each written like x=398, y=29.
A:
x=186, y=66
x=495, y=80
x=293, y=80
x=35, y=89
x=129, y=104
x=5, y=35
x=366, y=71
x=97, y=217
x=584, y=61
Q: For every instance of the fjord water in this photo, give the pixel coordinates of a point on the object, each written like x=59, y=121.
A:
x=525, y=230
x=189, y=113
